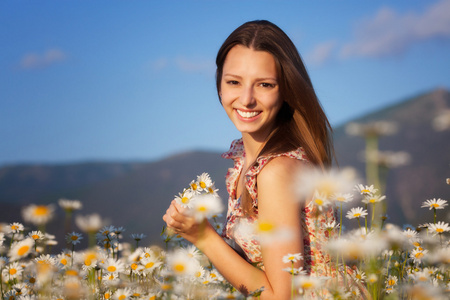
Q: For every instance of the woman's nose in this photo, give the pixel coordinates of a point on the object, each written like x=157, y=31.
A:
x=247, y=97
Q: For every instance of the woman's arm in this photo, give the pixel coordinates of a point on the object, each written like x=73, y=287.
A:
x=277, y=205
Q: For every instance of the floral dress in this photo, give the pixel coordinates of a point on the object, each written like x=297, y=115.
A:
x=316, y=262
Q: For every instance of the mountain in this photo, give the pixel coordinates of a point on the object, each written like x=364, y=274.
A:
x=135, y=195
x=424, y=177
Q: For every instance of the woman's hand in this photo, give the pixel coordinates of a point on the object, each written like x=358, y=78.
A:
x=179, y=220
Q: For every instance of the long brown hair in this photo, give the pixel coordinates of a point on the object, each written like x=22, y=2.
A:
x=301, y=121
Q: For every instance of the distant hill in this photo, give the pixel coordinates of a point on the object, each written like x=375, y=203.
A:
x=424, y=177
x=136, y=194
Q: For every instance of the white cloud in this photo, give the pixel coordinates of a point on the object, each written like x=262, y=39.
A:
x=191, y=65
x=321, y=53
x=35, y=60
x=388, y=33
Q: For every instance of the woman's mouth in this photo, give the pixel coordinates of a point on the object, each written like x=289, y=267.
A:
x=247, y=114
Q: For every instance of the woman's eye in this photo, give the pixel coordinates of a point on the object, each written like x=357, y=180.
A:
x=267, y=85
x=233, y=82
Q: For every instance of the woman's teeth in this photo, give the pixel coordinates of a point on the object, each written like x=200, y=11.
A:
x=248, y=114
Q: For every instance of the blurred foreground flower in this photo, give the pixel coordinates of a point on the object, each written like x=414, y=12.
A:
x=38, y=214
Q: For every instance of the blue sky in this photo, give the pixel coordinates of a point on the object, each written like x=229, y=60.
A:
x=126, y=80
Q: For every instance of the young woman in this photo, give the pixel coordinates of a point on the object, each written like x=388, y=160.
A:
x=267, y=94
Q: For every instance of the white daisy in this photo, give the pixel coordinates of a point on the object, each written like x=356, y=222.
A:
x=373, y=199
x=435, y=203
x=70, y=205
x=15, y=227
x=185, y=198
x=204, y=182
x=37, y=214
x=36, y=235
x=439, y=228
x=357, y=212
x=21, y=249
x=113, y=266
x=204, y=206
x=320, y=200
x=366, y=189
x=73, y=238
x=90, y=223
x=292, y=258
x=342, y=198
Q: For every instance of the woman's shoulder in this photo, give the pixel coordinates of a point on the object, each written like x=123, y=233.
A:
x=282, y=167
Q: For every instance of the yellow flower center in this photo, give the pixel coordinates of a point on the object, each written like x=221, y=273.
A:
x=14, y=227
x=166, y=287
x=265, y=227
x=35, y=237
x=435, y=205
x=179, y=268
x=202, y=208
x=202, y=184
x=185, y=200
x=210, y=190
x=149, y=265
x=419, y=255
x=121, y=297
x=198, y=274
x=439, y=230
x=391, y=282
x=71, y=273
x=23, y=250
x=12, y=271
x=194, y=186
x=307, y=285
x=134, y=266
x=152, y=298
x=365, y=191
x=372, y=200
x=74, y=237
x=107, y=295
x=319, y=201
x=358, y=276
x=41, y=210
x=87, y=262
x=32, y=280
x=111, y=269
x=340, y=199
x=357, y=215
x=213, y=275
x=63, y=261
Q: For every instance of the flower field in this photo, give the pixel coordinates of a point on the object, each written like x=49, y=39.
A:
x=374, y=261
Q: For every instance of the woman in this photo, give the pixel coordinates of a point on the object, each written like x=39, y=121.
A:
x=267, y=94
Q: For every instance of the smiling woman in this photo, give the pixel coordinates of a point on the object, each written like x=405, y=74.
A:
x=267, y=94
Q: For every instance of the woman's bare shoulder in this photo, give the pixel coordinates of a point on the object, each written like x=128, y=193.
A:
x=282, y=167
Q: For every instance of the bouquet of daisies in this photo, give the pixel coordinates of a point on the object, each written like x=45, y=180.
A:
x=201, y=198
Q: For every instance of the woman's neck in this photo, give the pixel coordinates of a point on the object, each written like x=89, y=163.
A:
x=251, y=147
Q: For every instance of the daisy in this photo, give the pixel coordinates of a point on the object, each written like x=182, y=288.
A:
x=366, y=189
x=21, y=249
x=37, y=214
x=73, y=238
x=410, y=234
x=185, y=198
x=327, y=183
x=292, y=258
x=435, y=204
x=149, y=264
x=204, y=182
x=295, y=271
x=113, y=266
x=90, y=223
x=439, y=228
x=137, y=236
x=15, y=227
x=417, y=255
x=122, y=294
x=320, y=200
x=331, y=225
x=36, y=235
x=360, y=276
x=373, y=199
x=342, y=198
x=391, y=280
x=356, y=213
x=308, y=282
x=70, y=205
x=204, y=206
x=111, y=279
x=3, y=261
x=179, y=263
x=12, y=271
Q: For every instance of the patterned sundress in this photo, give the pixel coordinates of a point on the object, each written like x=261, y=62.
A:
x=316, y=262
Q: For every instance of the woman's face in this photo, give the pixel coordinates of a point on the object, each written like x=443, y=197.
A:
x=250, y=92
